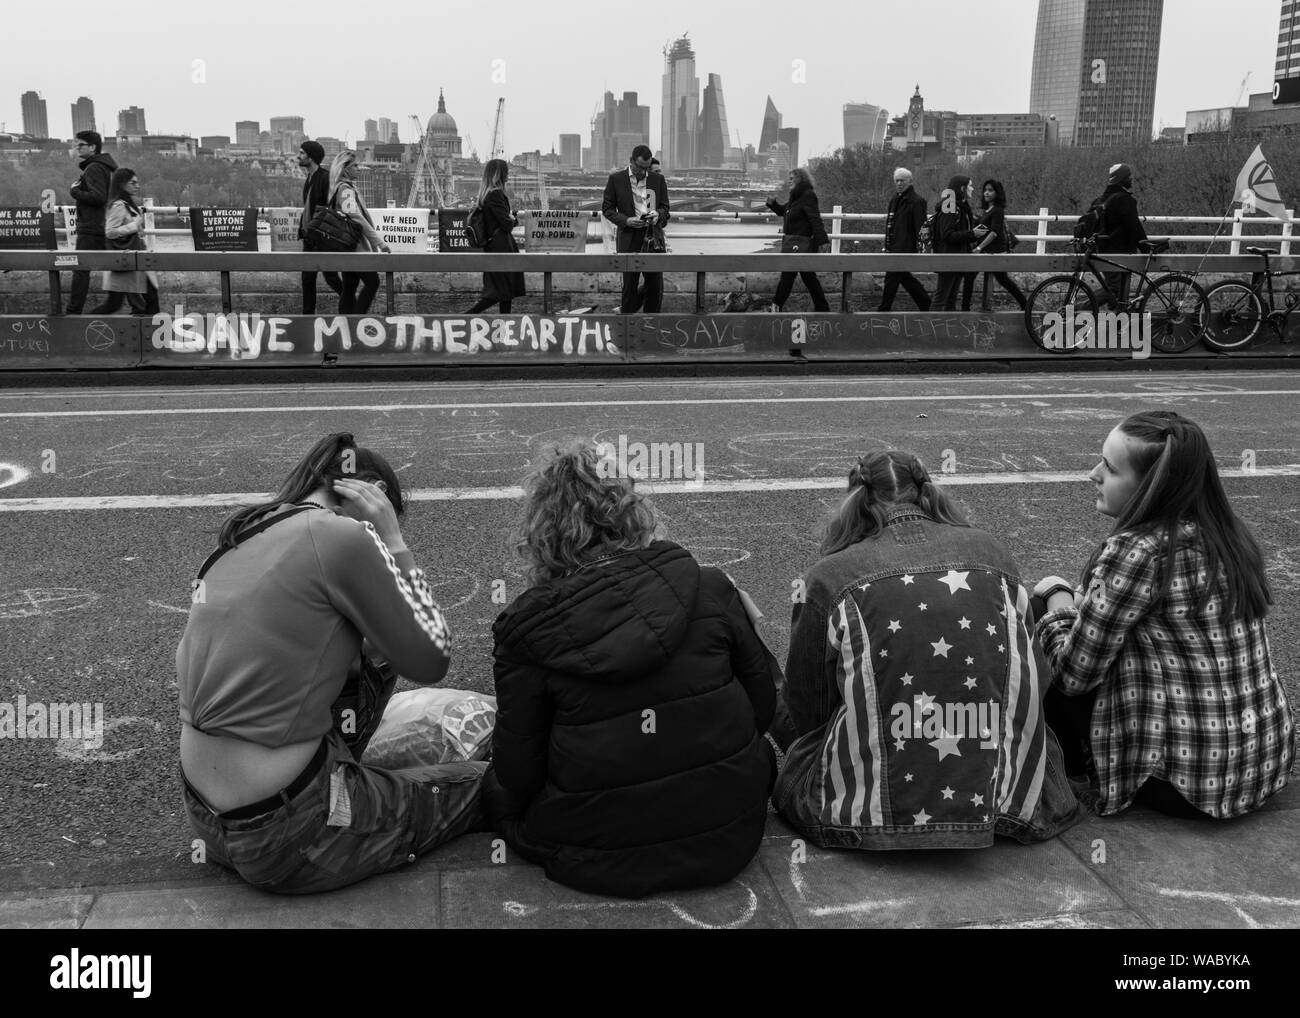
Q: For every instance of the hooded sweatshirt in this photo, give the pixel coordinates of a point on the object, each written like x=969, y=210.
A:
x=632, y=698
x=955, y=231
x=91, y=193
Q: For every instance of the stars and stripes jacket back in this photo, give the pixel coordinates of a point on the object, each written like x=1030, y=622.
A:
x=916, y=687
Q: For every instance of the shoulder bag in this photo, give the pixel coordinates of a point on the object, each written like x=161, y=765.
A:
x=331, y=230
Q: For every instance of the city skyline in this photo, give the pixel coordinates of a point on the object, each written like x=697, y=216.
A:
x=546, y=98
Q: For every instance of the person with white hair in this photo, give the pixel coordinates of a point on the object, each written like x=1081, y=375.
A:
x=902, y=229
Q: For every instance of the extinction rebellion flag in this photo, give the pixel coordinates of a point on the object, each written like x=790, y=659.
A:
x=1257, y=187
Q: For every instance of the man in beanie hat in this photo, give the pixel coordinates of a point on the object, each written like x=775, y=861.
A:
x=1120, y=229
x=315, y=191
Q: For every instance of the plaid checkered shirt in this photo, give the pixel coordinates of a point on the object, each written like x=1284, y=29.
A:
x=1191, y=698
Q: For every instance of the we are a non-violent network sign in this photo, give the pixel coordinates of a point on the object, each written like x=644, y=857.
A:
x=26, y=228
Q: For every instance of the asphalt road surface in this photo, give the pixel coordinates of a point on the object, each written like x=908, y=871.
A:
x=110, y=500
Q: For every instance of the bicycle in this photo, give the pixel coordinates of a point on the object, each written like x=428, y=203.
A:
x=1235, y=310
x=1175, y=302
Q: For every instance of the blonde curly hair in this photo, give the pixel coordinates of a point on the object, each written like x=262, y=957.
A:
x=575, y=511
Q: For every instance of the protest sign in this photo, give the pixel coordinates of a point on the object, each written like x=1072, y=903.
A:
x=559, y=230
x=224, y=229
x=284, y=229
x=406, y=231
x=26, y=228
x=70, y=221
x=451, y=230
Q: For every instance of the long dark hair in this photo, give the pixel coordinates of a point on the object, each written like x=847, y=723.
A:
x=878, y=482
x=117, y=188
x=999, y=194
x=1180, y=482
x=334, y=457
x=495, y=175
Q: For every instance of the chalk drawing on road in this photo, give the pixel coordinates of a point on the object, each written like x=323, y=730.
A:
x=1087, y=413
x=78, y=751
x=817, y=453
x=451, y=583
x=1290, y=906
x=1166, y=385
x=984, y=410
x=750, y=909
x=13, y=473
x=718, y=557
x=168, y=607
x=35, y=601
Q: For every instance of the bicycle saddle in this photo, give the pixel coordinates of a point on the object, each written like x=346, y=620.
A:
x=1260, y=251
x=1153, y=247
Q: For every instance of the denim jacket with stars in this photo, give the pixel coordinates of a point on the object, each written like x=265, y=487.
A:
x=916, y=688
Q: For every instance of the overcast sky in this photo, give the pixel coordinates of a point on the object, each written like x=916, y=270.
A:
x=263, y=59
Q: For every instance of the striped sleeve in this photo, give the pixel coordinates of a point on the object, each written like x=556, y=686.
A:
x=393, y=609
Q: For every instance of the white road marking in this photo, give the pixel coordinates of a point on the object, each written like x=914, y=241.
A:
x=13, y=473
x=509, y=492
x=930, y=398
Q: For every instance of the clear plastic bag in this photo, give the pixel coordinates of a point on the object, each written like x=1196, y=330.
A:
x=432, y=726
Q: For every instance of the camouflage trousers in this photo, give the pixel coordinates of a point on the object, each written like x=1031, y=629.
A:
x=341, y=821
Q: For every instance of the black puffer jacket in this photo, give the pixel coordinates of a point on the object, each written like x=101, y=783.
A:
x=632, y=698
x=802, y=215
x=1121, y=228
x=91, y=193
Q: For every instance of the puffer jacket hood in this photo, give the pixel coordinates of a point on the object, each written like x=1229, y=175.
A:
x=103, y=158
x=610, y=621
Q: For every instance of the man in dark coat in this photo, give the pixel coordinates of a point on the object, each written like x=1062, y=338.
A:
x=1121, y=229
x=90, y=192
x=636, y=201
x=902, y=226
x=632, y=697
x=315, y=194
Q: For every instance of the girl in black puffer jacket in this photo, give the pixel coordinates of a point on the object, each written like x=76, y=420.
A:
x=632, y=697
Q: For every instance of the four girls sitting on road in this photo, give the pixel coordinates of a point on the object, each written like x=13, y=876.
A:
x=629, y=755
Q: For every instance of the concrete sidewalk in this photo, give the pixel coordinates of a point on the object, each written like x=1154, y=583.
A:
x=1140, y=870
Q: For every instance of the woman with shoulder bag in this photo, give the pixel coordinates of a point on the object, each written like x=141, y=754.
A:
x=955, y=233
x=124, y=230
x=498, y=287
x=993, y=219
x=803, y=230
x=344, y=198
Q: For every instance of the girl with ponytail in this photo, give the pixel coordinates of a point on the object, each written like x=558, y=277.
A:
x=1163, y=688
x=913, y=681
x=278, y=700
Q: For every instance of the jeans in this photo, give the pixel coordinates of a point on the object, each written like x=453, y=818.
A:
x=353, y=303
x=81, y=280
x=810, y=280
x=893, y=280
x=141, y=303
x=945, y=294
x=651, y=299
x=310, y=842
x=332, y=279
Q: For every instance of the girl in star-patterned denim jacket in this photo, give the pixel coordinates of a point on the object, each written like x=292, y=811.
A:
x=1163, y=688
x=913, y=680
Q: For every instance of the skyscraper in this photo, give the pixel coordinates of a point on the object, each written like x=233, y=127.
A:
x=1094, y=69
x=372, y=130
x=714, y=135
x=83, y=115
x=570, y=151
x=386, y=130
x=35, y=121
x=247, y=132
x=131, y=121
x=679, y=140
x=865, y=124
x=769, y=135
x=617, y=129
x=790, y=137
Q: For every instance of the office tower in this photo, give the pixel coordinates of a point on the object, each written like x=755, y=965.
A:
x=714, y=135
x=571, y=151
x=768, y=136
x=1094, y=68
x=372, y=130
x=247, y=132
x=680, y=123
x=131, y=121
x=617, y=129
x=83, y=115
x=386, y=130
x=215, y=142
x=35, y=121
x=789, y=136
x=865, y=124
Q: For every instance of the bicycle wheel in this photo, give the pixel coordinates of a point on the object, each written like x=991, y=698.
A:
x=1233, y=316
x=1176, y=305
x=1048, y=316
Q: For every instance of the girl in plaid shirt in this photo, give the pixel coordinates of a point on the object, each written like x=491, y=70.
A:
x=1161, y=673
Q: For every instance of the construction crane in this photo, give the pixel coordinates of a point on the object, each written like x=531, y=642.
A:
x=425, y=189
x=1241, y=94
x=498, y=149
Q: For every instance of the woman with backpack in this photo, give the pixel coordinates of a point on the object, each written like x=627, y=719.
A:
x=343, y=196
x=1164, y=692
x=803, y=230
x=124, y=231
x=994, y=241
x=955, y=233
x=492, y=208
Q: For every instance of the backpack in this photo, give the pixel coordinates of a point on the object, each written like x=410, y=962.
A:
x=476, y=228
x=926, y=234
x=1089, y=224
